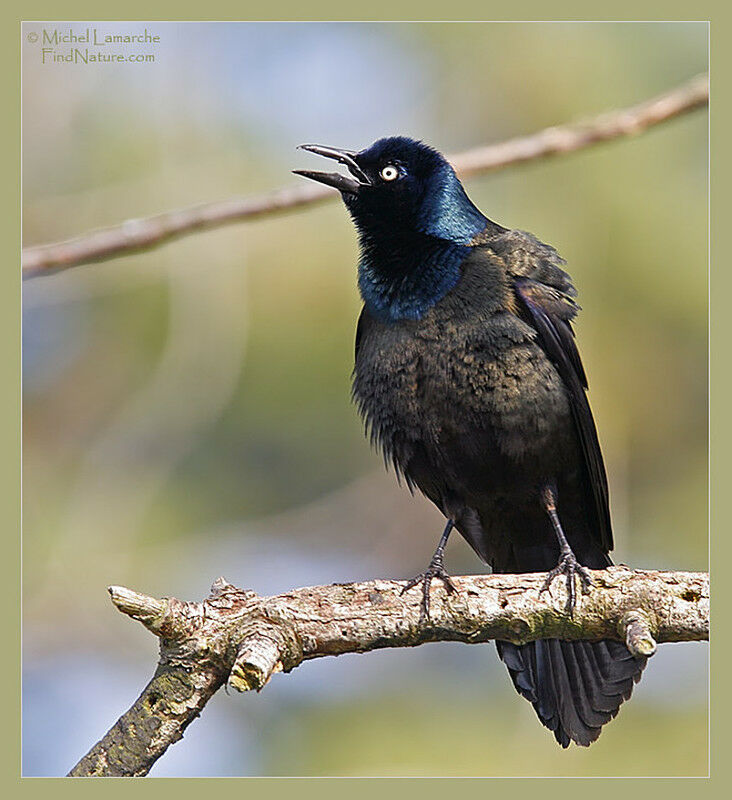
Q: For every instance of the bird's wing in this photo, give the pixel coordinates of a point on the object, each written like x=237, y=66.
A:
x=545, y=292
x=362, y=322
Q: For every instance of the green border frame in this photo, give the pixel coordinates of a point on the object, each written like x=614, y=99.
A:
x=10, y=293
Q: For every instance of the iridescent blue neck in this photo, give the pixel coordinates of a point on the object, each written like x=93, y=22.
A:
x=446, y=210
x=412, y=250
x=400, y=281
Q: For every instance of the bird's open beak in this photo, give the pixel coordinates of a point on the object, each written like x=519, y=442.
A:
x=344, y=183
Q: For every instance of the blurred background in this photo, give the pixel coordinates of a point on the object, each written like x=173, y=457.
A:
x=187, y=413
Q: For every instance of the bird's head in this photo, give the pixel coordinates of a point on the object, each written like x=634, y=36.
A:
x=399, y=184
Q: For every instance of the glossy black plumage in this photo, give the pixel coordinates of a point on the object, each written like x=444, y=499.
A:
x=469, y=380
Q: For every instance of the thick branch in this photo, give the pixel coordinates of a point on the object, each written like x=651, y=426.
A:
x=144, y=234
x=239, y=638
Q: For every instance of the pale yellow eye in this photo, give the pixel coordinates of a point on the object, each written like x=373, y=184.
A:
x=389, y=173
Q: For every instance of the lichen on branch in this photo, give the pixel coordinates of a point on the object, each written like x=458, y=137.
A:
x=239, y=638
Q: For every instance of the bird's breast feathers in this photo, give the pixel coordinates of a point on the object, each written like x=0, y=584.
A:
x=488, y=379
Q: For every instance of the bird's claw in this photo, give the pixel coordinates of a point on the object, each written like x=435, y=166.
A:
x=435, y=570
x=569, y=567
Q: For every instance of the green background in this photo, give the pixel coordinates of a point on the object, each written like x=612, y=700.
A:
x=274, y=481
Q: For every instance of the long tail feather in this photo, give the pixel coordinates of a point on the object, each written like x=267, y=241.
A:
x=574, y=687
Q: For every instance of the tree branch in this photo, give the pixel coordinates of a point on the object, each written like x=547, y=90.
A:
x=143, y=234
x=242, y=639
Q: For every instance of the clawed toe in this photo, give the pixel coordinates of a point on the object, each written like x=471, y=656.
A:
x=413, y=582
x=426, y=578
x=569, y=567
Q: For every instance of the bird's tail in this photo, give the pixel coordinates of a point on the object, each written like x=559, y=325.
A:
x=575, y=687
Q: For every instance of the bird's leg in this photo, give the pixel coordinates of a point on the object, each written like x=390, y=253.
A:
x=568, y=564
x=435, y=569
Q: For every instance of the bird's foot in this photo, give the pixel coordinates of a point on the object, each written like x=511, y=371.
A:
x=569, y=567
x=435, y=570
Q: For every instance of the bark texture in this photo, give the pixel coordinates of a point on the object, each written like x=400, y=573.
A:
x=239, y=638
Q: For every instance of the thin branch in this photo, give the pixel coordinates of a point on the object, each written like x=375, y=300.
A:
x=239, y=638
x=143, y=234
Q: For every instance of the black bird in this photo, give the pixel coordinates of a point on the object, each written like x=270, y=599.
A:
x=468, y=378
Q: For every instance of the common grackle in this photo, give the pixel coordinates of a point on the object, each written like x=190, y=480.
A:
x=468, y=378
